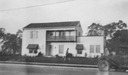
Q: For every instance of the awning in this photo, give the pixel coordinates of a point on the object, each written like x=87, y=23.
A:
x=32, y=46
x=79, y=47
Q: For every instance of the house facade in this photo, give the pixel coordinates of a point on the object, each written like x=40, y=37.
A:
x=55, y=38
x=93, y=46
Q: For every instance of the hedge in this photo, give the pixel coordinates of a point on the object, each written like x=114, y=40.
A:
x=73, y=60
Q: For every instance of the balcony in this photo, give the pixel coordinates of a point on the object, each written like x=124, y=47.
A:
x=61, y=38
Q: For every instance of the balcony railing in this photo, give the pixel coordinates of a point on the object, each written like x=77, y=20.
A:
x=61, y=38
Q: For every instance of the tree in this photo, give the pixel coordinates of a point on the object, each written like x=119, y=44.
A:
x=111, y=28
x=108, y=29
x=120, y=37
x=12, y=43
x=19, y=40
x=95, y=29
x=9, y=45
x=2, y=34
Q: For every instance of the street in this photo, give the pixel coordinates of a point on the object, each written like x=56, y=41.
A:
x=20, y=69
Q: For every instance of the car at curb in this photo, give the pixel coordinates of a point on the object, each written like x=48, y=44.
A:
x=117, y=61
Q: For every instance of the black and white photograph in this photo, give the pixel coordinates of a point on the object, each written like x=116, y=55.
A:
x=63, y=37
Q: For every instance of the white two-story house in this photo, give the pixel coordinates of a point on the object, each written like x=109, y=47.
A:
x=50, y=38
x=56, y=37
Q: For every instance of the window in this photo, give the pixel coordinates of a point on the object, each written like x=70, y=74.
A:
x=61, y=49
x=32, y=48
x=91, y=48
x=33, y=51
x=97, y=48
x=79, y=51
x=54, y=33
x=72, y=33
x=57, y=34
x=33, y=34
x=30, y=51
x=61, y=33
x=67, y=33
x=51, y=33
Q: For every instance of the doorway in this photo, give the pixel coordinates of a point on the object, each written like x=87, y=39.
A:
x=49, y=49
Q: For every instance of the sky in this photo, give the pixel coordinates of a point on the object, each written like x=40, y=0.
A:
x=41, y=11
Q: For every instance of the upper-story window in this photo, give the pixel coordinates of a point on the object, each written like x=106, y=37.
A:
x=33, y=34
x=72, y=33
x=61, y=33
x=51, y=33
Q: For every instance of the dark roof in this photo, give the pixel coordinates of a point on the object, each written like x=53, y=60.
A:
x=52, y=24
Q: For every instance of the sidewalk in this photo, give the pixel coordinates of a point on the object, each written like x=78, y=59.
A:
x=50, y=64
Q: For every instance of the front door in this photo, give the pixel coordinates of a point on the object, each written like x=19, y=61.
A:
x=49, y=50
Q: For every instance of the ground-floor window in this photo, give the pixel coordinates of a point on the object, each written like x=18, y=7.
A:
x=32, y=48
x=33, y=51
x=94, y=48
x=91, y=48
x=97, y=48
x=79, y=51
x=79, y=48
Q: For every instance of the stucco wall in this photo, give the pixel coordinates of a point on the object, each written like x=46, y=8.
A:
x=71, y=46
x=92, y=40
x=86, y=41
x=41, y=41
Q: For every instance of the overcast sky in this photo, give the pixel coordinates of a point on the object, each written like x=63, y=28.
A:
x=85, y=11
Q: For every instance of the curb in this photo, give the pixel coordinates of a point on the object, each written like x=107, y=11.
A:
x=50, y=64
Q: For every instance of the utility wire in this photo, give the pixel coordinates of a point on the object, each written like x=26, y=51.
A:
x=36, y=5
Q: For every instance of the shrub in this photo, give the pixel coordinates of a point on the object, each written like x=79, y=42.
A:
x=40, y=54
x=83, y=60
x=57, y=56
x=58, y=59
x=69, y=55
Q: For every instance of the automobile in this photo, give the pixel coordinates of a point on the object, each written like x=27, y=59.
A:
x=117, y=61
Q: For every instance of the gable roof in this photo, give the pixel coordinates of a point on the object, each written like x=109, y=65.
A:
x=53, y=24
